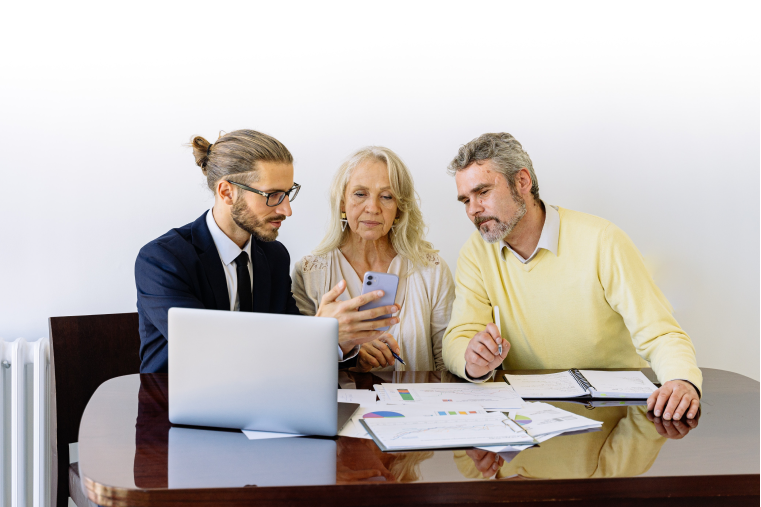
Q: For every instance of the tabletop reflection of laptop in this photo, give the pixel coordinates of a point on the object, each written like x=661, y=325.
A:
x=256, y=371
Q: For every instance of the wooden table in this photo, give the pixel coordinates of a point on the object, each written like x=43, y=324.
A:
x=129, y=454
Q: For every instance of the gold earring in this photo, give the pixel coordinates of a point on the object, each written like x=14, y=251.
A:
x=343, y=221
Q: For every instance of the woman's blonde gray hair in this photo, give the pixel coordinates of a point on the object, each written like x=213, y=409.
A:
x=505, y=152
x=408, y=234
x=235, y=154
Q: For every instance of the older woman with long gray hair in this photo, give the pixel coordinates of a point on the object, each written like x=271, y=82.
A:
x=376, y=225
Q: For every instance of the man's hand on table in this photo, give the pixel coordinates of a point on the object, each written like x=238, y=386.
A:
x=354, y=328
x=486, y=462
x=673, y=400
x=482, y=355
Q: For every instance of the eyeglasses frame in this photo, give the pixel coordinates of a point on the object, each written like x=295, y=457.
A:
x=295, y=187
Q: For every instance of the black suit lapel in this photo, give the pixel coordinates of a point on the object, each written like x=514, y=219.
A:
x=212, y=264
x=262, y=279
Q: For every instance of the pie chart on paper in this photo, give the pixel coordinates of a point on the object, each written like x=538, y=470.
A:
x=522, y=419
x=380, y=414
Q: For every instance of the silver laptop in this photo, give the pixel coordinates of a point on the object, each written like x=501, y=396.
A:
x=255, y=371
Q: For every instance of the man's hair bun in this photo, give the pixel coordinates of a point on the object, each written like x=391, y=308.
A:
x=201, y=151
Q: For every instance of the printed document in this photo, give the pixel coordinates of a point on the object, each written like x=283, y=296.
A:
x=490, y=396
x=425, y=432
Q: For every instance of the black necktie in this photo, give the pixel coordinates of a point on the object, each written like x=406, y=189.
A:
x=245, y=298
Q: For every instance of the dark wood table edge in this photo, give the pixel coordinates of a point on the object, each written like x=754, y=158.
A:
x=734, y=489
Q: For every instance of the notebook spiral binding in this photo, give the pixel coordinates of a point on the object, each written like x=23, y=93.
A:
x=581, y=379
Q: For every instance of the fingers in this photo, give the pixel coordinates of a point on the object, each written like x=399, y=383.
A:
x=380, y=352
x=390, y=342
x=362, y=300
x=375, y=312
x=493, y=330
x=374, y=355
x=489, y=464
x=681, y=409
x=333, y=293
x=674, y=400
x=693, y=410
x=664, y=393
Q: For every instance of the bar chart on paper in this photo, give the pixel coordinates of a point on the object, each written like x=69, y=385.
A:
x=492, y=396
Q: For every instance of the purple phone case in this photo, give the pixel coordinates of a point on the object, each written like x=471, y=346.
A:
x=386, y=282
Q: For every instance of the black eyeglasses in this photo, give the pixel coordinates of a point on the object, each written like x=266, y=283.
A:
x=273, y=198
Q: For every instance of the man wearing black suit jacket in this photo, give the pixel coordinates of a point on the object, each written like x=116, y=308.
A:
x=228, y=258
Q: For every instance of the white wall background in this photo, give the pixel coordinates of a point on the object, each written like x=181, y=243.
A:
x=645, y=113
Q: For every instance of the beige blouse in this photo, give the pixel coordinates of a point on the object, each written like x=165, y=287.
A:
x=424, y=294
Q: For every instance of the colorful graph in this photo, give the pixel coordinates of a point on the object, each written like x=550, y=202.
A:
x=405, y=394
x=522, y=419
x=461, y=412
x=380, y=414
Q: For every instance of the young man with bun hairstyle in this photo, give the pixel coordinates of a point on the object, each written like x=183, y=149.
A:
x=229, y=259
x=572, y=289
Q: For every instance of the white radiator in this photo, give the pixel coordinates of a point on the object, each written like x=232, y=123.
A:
x=26, y=443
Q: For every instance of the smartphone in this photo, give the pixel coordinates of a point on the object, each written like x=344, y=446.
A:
x=380, y=281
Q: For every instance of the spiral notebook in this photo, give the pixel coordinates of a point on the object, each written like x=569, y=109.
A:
x=583, y=384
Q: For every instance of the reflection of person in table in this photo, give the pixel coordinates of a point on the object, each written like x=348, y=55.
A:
x=627, y=445
x=572, y=289
x=360, y=460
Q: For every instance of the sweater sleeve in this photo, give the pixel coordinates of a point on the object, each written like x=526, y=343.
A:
x=647, y=314
x=306, y=305
x=441, y=309
x=471, y=312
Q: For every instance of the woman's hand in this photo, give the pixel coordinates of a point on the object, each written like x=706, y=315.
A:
x=354, y=327
x=377, y=353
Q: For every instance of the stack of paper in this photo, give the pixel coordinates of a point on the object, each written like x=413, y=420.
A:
x=354, y=427
x=490, y=396
x=543, y=421
x=425, y=432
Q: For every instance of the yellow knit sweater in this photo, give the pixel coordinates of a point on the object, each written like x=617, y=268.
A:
x=594, y=305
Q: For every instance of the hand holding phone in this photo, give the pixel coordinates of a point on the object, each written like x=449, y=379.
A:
x=386, y=282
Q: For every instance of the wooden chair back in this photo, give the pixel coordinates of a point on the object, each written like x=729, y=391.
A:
x=87, y=350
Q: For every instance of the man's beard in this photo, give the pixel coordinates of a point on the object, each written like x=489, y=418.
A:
x=249, y=222
x=498, y=230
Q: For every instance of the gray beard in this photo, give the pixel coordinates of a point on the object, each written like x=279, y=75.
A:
x=500, y=230
x=250, y=223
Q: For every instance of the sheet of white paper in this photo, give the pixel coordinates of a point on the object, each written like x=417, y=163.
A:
x=262, y=435
x=364, y=397
x=381, y=392
x=629, y=384
x=355, y=429
x=425, y=432
x=518, y=448
x=542, y=418
x=552, y=385
x=490, y=395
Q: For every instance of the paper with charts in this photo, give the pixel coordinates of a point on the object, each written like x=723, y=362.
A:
x=544, y=421
x=354, y=428
x=490, y=395
x=422, y=432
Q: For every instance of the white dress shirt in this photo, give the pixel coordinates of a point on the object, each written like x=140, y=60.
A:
x=547, y=240
x=228, y=252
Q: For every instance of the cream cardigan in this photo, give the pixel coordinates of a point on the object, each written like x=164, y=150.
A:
x=425, y=295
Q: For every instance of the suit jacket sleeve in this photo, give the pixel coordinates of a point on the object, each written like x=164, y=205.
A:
x=162, y=283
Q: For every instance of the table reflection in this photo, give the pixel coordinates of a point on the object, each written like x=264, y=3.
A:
x=168, y=456
x=627, y=445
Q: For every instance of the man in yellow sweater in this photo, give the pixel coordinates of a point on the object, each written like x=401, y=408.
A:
x=572, y=288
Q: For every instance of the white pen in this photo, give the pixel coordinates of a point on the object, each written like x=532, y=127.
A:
x=499, y=326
